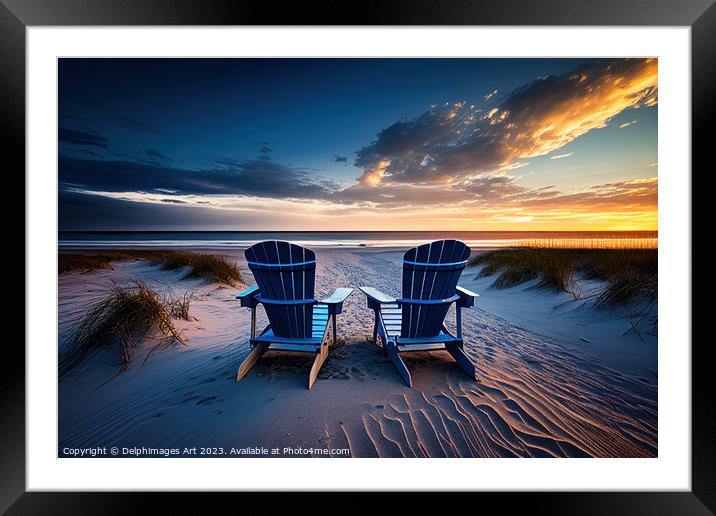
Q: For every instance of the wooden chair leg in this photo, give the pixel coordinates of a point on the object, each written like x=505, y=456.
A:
x=375, y=330
x=461, y=358
x=253, y=322
x=379, y=333
x=250, y=361
x=398, y=363
x=317, y=363
x=458, y=321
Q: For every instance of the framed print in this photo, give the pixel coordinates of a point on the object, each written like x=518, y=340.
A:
x=408, y=251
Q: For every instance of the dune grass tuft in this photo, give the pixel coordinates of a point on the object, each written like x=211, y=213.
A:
x=631, y=275
x=179, y=306
x=124, y=319
x=211, y=266
x=215, y=267
x=553, y=270
x=83, y=262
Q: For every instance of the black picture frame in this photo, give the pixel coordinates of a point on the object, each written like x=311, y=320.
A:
x=17, y=15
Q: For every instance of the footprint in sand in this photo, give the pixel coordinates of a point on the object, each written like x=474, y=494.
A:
x=358, y=374
x=335, y=372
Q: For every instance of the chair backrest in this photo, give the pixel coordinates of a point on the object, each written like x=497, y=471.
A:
x=430, y=272
x=286, y=276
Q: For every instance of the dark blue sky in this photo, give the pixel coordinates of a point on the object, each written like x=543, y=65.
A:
x=224, y=123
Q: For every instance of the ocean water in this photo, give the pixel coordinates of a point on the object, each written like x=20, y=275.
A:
x=354, y=239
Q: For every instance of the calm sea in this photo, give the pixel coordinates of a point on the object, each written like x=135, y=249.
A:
x=355, y=239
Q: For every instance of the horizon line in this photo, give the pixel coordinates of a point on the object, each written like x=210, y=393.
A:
x=354, y=231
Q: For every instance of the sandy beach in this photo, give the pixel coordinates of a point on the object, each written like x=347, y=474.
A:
x=558, y=378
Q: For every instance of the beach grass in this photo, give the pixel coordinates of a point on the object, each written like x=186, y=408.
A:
x=124, y=319
x=211, y=266
x=214, y=267
x=179, y=306
x=631, y=275
x=83, y=262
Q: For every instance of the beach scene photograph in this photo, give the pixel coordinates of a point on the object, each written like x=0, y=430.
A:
x=357, y=258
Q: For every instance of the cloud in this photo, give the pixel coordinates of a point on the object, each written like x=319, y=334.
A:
x=136, y=125
x=227, y=176
x=81, y=138
x=154, y=153
x=264, y=152
x=92, y=212
x=339, y=159
x=515, y=166
x=455, y=141
x=560, y=156
x=637, y=193
x=627, y=124
x=490, y=95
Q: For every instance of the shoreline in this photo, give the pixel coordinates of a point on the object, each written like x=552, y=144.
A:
x=235, y=240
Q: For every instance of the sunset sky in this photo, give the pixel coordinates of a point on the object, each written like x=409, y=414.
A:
x=358, y=144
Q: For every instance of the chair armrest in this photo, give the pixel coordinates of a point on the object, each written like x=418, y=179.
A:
x=467, y=297
x=248, y=296
x=376, y=297
x=447, y=301
x=335, y=300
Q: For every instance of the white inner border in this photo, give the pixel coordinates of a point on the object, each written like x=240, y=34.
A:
x=671, y=470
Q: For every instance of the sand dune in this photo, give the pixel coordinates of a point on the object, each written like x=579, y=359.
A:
x=537, y=396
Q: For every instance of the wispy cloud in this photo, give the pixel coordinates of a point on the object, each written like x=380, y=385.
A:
x=560, y=156
x=515, y=166
x=136, y=125
x=627, y=124
x=154, y=153
x=264, y=153
x=81, y=138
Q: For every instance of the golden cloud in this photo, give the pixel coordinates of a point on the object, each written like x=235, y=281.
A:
x=587, y=101
x=534, y=120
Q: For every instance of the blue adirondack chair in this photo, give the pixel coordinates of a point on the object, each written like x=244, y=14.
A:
x=285, y=277
x=416, y=322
